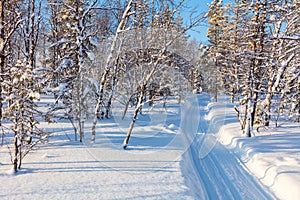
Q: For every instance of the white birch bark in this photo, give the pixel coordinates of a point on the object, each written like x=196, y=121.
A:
x=111, y=57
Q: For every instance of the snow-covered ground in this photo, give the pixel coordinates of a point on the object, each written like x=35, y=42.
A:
x=172, y=154
x=273, y=156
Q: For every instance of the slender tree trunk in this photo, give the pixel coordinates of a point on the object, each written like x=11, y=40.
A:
x=80, y=128
x=79, y=85
x=255, y=98
x=215, y=90
x=16, y=153
x=120, y=30
x=80, y=103
x=113, y=82
x=20, y=156
x=1, y=53
x=215, y=83
x=32, y=33
x=75, y=129
x=249, y=119
x=268, y=108
x=135, y=114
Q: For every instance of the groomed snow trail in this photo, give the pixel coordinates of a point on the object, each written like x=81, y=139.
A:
x=217, y=173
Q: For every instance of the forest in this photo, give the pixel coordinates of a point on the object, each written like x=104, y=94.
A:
x=90, y=54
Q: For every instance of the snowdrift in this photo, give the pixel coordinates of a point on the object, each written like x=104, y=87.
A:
x=273, y=155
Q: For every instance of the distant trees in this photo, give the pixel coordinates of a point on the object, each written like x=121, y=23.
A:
x=141, y=49
x=257, y=57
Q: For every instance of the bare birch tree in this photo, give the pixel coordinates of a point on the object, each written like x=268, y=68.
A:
x=110, y=62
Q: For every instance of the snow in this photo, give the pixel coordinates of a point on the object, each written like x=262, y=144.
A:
x=192, y=151
x=90, y=55
x=34, y=95
x=172, y=126
x=273, y=156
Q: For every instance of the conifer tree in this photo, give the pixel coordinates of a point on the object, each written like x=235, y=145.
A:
x=214, y=33
x=21, y=98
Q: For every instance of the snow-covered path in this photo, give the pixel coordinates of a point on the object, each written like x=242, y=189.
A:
x=221, y=176
x=212, y=171
x=163, y=161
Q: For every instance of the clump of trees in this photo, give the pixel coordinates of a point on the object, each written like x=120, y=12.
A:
x=20, y=86
x=86, y=54
x=255, y=51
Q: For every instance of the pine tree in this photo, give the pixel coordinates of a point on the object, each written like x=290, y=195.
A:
x=21, y=98
x=214, y=33
x=17, y=84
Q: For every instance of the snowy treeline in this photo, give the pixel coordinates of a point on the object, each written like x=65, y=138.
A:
x=255, y=50
x=88, y=54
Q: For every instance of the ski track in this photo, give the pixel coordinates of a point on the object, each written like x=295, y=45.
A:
x=219, y=175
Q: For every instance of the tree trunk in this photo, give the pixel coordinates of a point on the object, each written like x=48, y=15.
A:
x=75, y=129
x=1, y=52
x=16, y=153
x=249, y=119
x=111, y=95
x=135, y=114
x=254, y=100
x=81, y=129
x=215, y=92
x=268, y=109
x=20, y=155
x=215, y=86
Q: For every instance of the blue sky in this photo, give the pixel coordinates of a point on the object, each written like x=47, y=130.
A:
x=200, y=6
